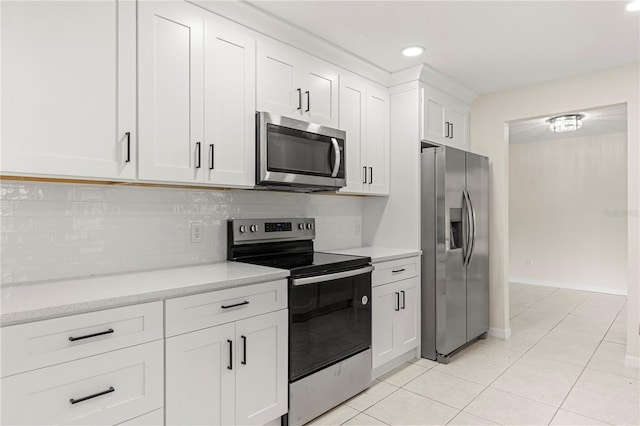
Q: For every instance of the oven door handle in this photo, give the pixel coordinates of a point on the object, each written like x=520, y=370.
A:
x=329, y=277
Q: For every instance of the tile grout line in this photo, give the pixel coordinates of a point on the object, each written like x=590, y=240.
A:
x=588, y=361
x=527, y=351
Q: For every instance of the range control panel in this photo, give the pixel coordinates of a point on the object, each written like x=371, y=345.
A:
x=245, y=231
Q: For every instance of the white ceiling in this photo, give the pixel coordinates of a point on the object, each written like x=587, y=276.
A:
x=486, y=46
x=599, y=121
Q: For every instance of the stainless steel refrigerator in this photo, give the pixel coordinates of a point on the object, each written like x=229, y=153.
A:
x=455, y=250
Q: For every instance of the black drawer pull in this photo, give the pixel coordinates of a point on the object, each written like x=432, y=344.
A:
x=109, y=331
x=95, y=395
x=403, y=300
x=246, y=302
x=395, y=271
x=397, y=301
x=230, y=366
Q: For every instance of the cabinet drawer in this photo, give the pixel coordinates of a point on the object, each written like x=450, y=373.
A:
x=42, y=343
x=395, y=270
x=103, y=389
x=204, y=310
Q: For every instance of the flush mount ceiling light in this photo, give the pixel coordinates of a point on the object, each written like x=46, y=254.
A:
x=634, y=6
x=413, y=51
x=565, y=123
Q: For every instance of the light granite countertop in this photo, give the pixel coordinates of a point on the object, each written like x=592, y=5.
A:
x=379, y=254
x=36, y=301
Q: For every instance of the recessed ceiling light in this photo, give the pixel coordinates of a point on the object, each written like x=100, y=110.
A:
x=413, y=51
x=634, y=6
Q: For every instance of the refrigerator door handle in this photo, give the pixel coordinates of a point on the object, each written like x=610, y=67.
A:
x=466, y=257
x=473, y=227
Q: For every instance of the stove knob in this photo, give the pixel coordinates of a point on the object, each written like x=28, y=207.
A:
x=253, y=228
x=301, y=226
x=309, y=226
x=243, y=229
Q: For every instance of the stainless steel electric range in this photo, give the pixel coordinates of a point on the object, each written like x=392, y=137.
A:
x=329, y=311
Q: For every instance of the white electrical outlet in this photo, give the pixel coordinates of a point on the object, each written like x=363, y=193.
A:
x=358, y=228
x=196, y=231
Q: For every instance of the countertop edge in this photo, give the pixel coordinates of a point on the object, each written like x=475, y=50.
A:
x=380, y=254
x=56, y=311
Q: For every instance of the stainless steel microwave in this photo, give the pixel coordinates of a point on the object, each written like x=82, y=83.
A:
x=295, y=155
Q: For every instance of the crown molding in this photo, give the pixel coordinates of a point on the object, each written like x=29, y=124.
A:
x=428, y=75
x=268, y=25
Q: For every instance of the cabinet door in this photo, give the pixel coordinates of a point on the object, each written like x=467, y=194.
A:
x=385, y=303
x=68, y=88
x=377, y=141
x=200, y=386
x=457, y=117
x=262, y=368
x=229, y=105
x=352, y=121
x=406, y=321
x=320, y=92
x=279, y=80
x=434, y=118
x=170, y=92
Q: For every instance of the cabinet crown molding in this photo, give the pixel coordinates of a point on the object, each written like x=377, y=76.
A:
x=428, y=75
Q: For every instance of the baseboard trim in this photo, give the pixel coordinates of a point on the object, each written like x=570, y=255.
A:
x=500, y=333
x=569, y=286
x=632, y=361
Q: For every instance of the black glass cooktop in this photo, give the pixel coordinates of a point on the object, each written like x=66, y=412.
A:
x=310, y=263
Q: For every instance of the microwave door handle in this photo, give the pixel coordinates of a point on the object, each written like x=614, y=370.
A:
x=336, y=162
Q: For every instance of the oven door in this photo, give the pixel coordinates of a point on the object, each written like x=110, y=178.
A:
x=297, y=153
x=329, y=319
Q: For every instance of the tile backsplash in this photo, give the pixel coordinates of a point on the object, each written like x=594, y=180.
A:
x=64, y=230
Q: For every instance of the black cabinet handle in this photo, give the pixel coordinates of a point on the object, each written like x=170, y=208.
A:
x=370, y=174
x=397, y=301
x=403, y=299
x=364, y=168
x=447, y=134
x=230, y=366
x=451, y=137
x=395, y=271
x=128, y=160
x=244, y=350
x=95, y=395
x=198, y=155
x=88, y=336
x=246, y=302
x=211, y=158
x=308, y=101
x=299, y=99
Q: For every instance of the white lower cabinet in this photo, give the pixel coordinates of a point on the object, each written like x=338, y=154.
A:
x=396, y=315
x=234, y=373
x=104, y=389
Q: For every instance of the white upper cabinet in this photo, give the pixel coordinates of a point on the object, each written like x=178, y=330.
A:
x=196, y=97
x=171, y=91
x=296, y=85
x=68, y=89
x=364, y=116
x=444, y=119
x=229, y=104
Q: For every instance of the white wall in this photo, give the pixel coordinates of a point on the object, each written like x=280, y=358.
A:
x=489, y=115
x=63, y=230
x=565, y=200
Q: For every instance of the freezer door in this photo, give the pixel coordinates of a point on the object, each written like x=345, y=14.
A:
x=451, y=287
x=478, y=264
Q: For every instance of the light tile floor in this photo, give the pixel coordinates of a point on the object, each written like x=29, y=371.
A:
x=563, y=365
